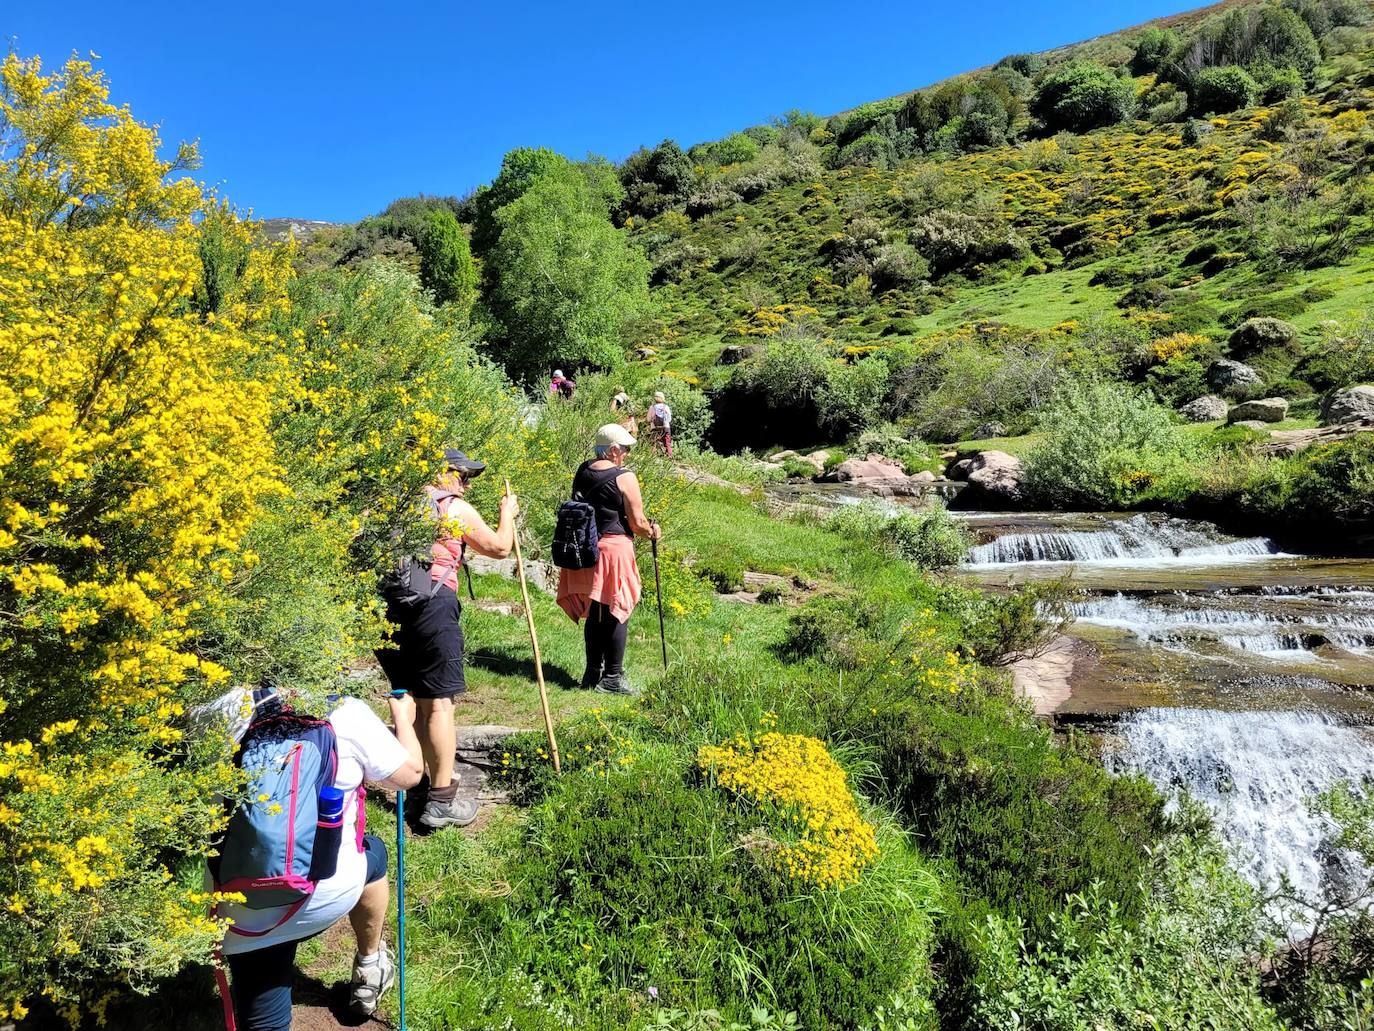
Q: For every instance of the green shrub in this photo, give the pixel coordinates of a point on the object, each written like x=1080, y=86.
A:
x=725, y=574
x=772, y=594
x=834, y=628
x=999, y=628
x=1333, y=484
x=1194, y=132
x=1187, y=962
x=1079, y=96
x=796, y=470
x=1105, y=445
x=1023, y=822
x=446, y=268
x=1152, y=49
x=645, y=876
x=931, y=538
x=1221, y=90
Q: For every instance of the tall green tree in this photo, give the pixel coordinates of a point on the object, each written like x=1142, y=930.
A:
x=446, y=268
x=563, y=282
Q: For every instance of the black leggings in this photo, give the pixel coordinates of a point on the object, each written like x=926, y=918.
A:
x=605, y=638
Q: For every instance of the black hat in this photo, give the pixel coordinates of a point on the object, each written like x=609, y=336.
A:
x=460, y=462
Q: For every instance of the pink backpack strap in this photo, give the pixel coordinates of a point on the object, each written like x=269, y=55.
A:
x=362, y=816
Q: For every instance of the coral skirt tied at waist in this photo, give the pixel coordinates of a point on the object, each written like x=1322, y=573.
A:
x=613, y=581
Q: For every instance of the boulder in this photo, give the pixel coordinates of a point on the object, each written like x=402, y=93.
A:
x=959, y=470
x=1225, y=376
x=1268, y=409
x=1255, y=335
x=874, y=467
x=1354, y=404
x=733, y=354
x=1208, y=408
x=924, y=476
x=816, y=460
x=988, y=430
x=784, y=456
x=1253, y=424
x=995, y=480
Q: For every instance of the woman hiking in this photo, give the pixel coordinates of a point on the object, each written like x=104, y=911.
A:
x=606, y=594
x=426, y=653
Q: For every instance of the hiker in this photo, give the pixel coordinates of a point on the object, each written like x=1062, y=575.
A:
x=426, y=653
x=561, y=387
x=260, y=945
x=605, y=594
x=661, y=424
x=623, y=408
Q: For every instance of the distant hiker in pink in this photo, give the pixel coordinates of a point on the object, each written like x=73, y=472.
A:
x=661, y=424
x=606, y=594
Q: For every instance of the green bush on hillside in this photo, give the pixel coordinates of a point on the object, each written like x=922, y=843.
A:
x=1222, y=90
x=566, y=285
x=930, y=537
x=1023, y=822
x=1334, y=482
x=1079, y=96
x=1152, y=50
x=1105, y=444
x=1188, y=963
x=446, y=268
x=638, y=874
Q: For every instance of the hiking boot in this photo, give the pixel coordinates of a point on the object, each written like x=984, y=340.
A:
x=369, y=982
x=616, y=684
x=456, y=812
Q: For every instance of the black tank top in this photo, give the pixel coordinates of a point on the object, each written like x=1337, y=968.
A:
x=599, y=489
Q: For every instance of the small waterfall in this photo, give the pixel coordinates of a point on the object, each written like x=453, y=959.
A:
x=1139, y=539
x=1256, y=624
x=1255, y=771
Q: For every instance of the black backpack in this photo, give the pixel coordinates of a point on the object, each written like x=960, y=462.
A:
x=576, y=543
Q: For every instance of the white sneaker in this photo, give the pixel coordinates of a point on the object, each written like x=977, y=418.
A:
x=369, y=982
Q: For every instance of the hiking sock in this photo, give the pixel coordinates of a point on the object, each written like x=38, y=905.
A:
x=617, y=636
x=367, y=961
x=444, y=794
x=592, y=639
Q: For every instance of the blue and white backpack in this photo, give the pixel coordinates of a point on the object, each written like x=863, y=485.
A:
x=267, y=852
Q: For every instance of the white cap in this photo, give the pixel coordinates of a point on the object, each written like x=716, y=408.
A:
x=658, y=395
x=557, y=373
x=614, y=433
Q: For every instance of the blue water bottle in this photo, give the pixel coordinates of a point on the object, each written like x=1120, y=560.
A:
x=324, y=857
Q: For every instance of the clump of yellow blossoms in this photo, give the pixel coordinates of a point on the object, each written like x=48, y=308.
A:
x=796, y=778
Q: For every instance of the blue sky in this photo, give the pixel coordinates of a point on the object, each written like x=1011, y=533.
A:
x=316, y=110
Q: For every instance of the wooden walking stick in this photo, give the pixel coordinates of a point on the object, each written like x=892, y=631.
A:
x=658, y=593
x=534, y=644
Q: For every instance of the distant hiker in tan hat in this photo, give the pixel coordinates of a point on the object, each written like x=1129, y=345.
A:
x=661, y=424
x=606, y=594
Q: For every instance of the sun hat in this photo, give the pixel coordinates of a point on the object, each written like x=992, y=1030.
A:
x=557, y=373
x=658, y=396
x=460, y=462
x=614, y=433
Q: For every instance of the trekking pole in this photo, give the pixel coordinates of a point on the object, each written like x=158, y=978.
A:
x=534, y=644
x=401, y=891
x=658, y=593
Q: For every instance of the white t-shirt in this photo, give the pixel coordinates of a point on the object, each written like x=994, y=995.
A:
x=368, y=751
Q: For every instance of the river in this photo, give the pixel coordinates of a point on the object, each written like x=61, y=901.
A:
x=1224, y=666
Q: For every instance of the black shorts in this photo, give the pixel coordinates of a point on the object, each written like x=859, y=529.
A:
x=426, y=653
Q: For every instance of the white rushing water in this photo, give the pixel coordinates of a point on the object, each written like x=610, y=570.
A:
x=1256, y=772
x=1139, y=540
x=1289, y=626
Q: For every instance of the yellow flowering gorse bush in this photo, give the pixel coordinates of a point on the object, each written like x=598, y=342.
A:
x=796, y=778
